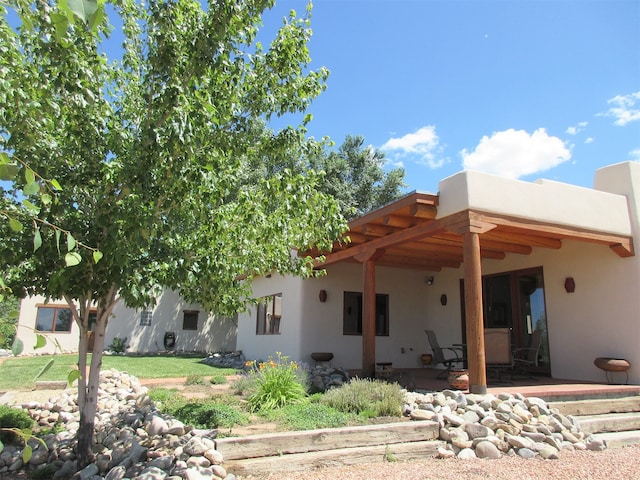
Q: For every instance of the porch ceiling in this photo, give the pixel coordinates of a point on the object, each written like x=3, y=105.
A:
x=409, y=234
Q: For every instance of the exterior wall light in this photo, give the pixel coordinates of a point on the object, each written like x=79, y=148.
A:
x=443, y=299
x=569, y=284
x=323, y=296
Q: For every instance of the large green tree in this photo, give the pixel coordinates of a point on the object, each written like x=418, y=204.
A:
x=148, y=148
x=356, y=178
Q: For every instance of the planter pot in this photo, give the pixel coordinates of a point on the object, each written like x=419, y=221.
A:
x=459, y=379
x=426, y=358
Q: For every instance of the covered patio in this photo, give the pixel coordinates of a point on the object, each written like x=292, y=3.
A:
x=417, y=232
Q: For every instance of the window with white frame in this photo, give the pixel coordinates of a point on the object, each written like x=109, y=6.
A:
x=145, y=318
x=269, y=314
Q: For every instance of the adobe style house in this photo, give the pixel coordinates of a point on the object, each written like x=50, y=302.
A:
x=553, y=262
x=172, y=325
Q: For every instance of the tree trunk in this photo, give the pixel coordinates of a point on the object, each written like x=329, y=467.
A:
x=88, y=383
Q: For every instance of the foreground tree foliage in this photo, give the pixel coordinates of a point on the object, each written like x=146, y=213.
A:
x=148, y=152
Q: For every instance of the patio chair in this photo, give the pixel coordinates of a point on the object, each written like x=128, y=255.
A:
x=526, y=357
x=439, y=356
x=497, y=350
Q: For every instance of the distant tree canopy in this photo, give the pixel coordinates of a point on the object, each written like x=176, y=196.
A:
x=355, y=177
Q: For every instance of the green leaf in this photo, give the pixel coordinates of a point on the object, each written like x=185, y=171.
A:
x=26, y=453
x=73, y=376
x=4, y=158
x=83, y=9
x=9, y=171
x=37, y=240
x=45, y=368
x=1, y=446
x=17, y=347
x=13, y=314
x=33, y=209
x=55, y=184
x=72, y=259
x=45, y=198
x=71, y=242
x=61, y=23
x=41, y=341
x=15, y=225
x=58, y=233
x=29, y=176
x=97, y=255
x=31, y=188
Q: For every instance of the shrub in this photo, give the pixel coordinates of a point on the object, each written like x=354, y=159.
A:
x=194, y=380
x=118, y=345
x=218, y=380
x=167, y=399
x=309, y=416
x=366, y=397
x=11, y=417
x=210, y=415
x=277, y=383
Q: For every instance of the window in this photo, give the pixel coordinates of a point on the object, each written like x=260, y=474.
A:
x=269, y=315
x=352, y=315
x=190, y=320
x=145, y=318
x=53, y=319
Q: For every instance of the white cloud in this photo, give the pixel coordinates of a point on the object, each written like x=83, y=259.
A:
x=515, y=153
x=625, y=108
x=589, y=140
x=422, y=146
x=575, y=129
x=635, y=154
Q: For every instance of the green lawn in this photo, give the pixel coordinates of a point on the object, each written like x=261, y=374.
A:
x=20, y=372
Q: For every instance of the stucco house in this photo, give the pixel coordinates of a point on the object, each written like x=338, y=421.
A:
x=172, y=325
x=553, y=262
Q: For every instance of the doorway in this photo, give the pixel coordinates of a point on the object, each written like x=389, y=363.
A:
x=516, y=300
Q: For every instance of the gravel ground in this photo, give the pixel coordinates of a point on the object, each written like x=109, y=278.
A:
x=620, y=463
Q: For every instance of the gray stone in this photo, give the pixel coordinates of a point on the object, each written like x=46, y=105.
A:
x=466, y=454
x=526, y=453
x=475, y=430
x=116, y=473
x=486, y=449
x=548, y=452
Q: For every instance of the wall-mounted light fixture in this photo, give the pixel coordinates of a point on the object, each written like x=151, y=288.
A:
x=569, y=284
x=430, y=280
x=322, y=296
x=443, y=299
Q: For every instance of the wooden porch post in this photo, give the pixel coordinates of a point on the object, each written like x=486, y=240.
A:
x=369, y=311
x=474, y=316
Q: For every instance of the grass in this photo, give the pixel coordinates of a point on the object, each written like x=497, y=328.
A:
x=20, y=372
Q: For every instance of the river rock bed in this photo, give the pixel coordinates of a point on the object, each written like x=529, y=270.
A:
x=489, y=426
x=135, y=440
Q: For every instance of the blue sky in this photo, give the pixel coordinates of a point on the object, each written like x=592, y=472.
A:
x=525, y=89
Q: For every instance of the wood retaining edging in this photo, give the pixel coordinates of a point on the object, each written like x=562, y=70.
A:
x=309, y=449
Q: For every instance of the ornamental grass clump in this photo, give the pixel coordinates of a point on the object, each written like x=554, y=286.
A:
x=366, y=397
x=276, y=383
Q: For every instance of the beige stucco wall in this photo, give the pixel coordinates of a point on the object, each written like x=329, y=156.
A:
x=214, y=333
x=27, y=323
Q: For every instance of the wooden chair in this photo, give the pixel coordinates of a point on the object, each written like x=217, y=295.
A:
x=439, y=355
x=498, y=356
x=526, y=357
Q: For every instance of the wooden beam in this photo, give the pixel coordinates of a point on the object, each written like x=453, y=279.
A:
x=374, y=230
x=420, y=210
x=397, y=206
x=398, y=221
x=523, y=239
x=473, y=312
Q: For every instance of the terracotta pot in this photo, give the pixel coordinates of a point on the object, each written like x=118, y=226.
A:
x=459, y=379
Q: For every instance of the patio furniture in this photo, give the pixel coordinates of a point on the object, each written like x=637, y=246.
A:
x=498, y=356
x=611, y=365
x=439, y=355
x=526, y=357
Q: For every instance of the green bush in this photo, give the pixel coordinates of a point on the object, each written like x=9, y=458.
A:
x=11, y=417
x=118, y=345
x=210, y=415
x=195, y=380
x=366, y=397
x=277, y=383
x=167, y=399
x=218, y=380
x=309, y=416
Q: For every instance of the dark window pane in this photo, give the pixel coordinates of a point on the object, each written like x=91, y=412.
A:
x=63, y=320
x=44, y=319
x=190, y=321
